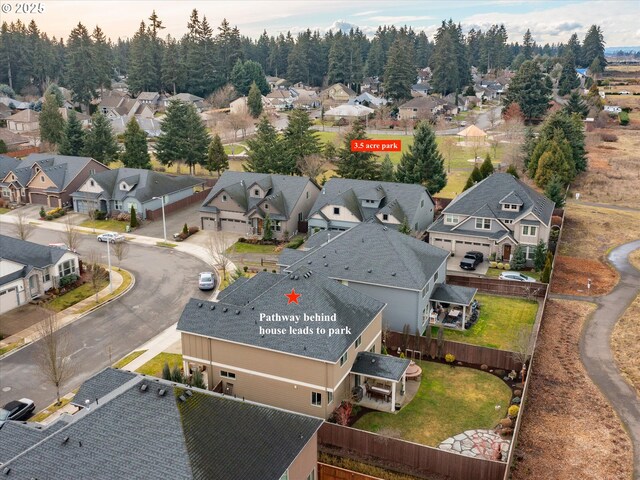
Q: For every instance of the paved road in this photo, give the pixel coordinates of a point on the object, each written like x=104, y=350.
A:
x=165, y=280
x=595, y=347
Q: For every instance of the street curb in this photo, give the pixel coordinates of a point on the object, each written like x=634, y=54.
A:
x=82, y=315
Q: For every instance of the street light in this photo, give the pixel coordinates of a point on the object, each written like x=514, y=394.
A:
x=109, y=262
x=164, y=224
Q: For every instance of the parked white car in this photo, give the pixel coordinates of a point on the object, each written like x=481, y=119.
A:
x=517, y=276
x=112, y=237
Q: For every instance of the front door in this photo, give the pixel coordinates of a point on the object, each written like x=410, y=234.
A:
x=260, y=221
x=506, y=252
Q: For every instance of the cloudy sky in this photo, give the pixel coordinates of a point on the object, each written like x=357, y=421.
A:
x=549, y=21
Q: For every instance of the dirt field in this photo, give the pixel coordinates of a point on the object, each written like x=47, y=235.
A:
x=569, y=431
x=572, y=275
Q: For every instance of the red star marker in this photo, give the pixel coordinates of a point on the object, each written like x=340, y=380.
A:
x=293, y=296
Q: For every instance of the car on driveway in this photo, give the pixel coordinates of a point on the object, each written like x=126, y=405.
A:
x=112, y=237
x=471, y=260
x=207, y=281
x=17, y=410
x=517, y=276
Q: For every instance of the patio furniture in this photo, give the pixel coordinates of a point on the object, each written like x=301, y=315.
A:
x=454, y=313
x=413, y=371
x=379, y=392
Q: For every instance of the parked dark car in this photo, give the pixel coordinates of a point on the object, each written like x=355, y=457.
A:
x=471, y=260
x=17, y=410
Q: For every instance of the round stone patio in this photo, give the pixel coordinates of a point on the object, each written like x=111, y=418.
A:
x=476, y=443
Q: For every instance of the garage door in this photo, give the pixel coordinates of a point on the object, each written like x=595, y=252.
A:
x=8, y=300
x=232, y=225
x=209, y=223
x=39, y=199
x=83, y=206
x=464, y=246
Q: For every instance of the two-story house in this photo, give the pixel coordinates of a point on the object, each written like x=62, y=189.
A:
x=344, y=203
x=48, y=179
x=287, y=340
x=493, y=217
x=24, y=121
x=126, y=425
x=405, y=273
x=118, y=190
x=240, y=201
x=28, y=269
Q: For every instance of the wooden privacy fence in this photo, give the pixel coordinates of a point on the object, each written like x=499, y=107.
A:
x=197, y=197
x=463, y=352
x=409, y=457
x=500, y=287
x=330, y=472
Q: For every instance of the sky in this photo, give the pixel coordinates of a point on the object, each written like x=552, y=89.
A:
x=549, y=21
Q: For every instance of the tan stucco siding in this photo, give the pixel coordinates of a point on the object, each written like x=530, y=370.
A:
x=228, y=205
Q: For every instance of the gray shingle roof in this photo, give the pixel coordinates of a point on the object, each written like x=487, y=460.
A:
x=241, y=322
x=289, y=256
x=137, y=434
x=493, y=189
x=101, y=384
x=62, y=169
x=22, y=273
x=446, y=293
x=381, y=366
x=350, y=193
x=376, y=254
x=440, y=227
x=285, y=189
x=7, y=164
x=29, y=253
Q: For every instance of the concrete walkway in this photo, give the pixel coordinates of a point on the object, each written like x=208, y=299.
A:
x=595, y=346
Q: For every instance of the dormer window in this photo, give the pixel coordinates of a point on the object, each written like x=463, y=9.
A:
x=123, y=186
x=510, y=206
x=92, y=183
x=385, y=217
x=256, y=192
x=336, y=210
x=266, y=206
x=42, y=178
x=483, y=224
x=224, y=198
x=451, y=219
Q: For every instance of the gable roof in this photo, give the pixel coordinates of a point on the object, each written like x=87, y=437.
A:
x=101, y=384
x=237, y=317
x=341, y=191
x=61, y=169
x=7, y=164
x=26, y=116
x=342, y=87
x=380, y=366
x=135, y=433
x=421, y=102
x=29, y=253
x=373, y=253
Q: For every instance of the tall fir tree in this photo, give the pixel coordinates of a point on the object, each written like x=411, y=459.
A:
x=100, y=144
x=593, y=47
x=298, y=141
x=136, y=150
x=217, y=158
x=172, y=70
x=81, y=76
x=573, y=131
x=141, y=60
x=555, y=191
x=254, y=101
x=51, y=121
x=529, y=89
x=387, y=172
x=568, y=77
x=400, y=71
x=72, y=142
x=357, y=165
x=264, y=149
x=576, y=105
x=102, y=58
x=486, y=168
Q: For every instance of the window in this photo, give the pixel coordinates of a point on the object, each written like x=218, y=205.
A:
x=256, y=192
x=67, y=268
x=358, y=341
x=23, y=192
x=276, y=226
x=483, y=224
x=372, y=349
x=117, y=205
x=422, y=203
x=510, y=206
x=435, y=277
x=92, y=171
x=508, y=222
x=5, y=192
x=415, y=227
x=224, y=198
x=42, y=178
x=46, y=276
x=329, y=397
x=451, y=219
x=307, y=194
x=336, y=210
x=312, y=475
x=529, y=230
x=316, y=399
x=343, y=358
x=266, y=206
x=385, y=217
x=227, y=374
x=92, y=183
x=530, y=251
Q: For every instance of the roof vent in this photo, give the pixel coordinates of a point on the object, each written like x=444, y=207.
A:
x=237, y=312
x=346, y=267
x=385, y=228
x=200, y=305
x=393, y=274
x=6, y=470
x=143, y=387
x=326, y=264
x=373, y=360
x=182, y=398
x=297, y=277
x=253, y=308
x=324, y=256
x=369, y=271
x=161, y=392
x=212, y=307
x=225, y=309
x=65, y=440
x=188, y=393
x=309, y=262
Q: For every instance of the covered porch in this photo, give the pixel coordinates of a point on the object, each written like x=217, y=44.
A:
x=379, y=382
x=453, y=306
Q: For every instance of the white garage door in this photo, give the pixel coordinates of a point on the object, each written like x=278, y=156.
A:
x=209, y=223
x=232, y=225
x=83, y=206
x=8, y=300
x=465, y=246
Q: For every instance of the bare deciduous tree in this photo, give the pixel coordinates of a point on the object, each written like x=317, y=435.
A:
x=238, y=121
x=494, y=116
x=120, y=250
x=54, y=353
x=22, y=226
x=222, y=97
x=448, y=146
x=312, y=166
x=71, y=235
x=217, y=247
x=521, y=350
x=96, y=273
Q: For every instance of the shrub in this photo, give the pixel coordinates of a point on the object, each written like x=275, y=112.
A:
x=608, y=137
x=517, y=393
x=514, y=410
x=245, y=268
x=623, y=117
x=68, y=280
x=42, y=212
x=499, y=372
x=500, y=265
x=185, y=229
x=516, y=400
x=295, y=243
x=193, y=230
x=197, y=379
x=507, y=266
x=505, y=432
x=56, y=215
x=133, y=221
x=166, y=371
x=493, y=264
x=450, y=358
x=49, y=217
x=383, y=350
x=484, y=367
x=242, y=240
x=123, y=217
x=506, y=423
x=99, y=215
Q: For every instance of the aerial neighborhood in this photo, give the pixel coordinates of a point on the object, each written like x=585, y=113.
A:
x=262, y=250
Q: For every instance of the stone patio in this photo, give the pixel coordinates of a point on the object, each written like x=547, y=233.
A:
x=474, y=443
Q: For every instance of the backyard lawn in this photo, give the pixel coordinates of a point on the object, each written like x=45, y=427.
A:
x=154, y=366
x=243, y=247
x=449, y=401
x=499, y=322
x=110, y=225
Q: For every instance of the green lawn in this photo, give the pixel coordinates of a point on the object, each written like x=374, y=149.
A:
x=449, y=401
x=4, y=210
x=110, y=225
x=499, y=322
x=123, y=362
x=126, y=281
x=11, y=346
x=154, y=366
x=242, y=247
x=50, y=410
x=495, y=272
x=235, y=149
x=74, y=296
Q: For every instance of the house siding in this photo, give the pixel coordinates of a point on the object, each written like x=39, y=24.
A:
x=303, y=206
x=306, y=461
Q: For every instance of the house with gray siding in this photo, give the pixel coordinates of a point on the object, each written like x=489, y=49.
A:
x=376, y=260
x=493, y=217
x=115, y=191
x=240, y=201
x=344, y=203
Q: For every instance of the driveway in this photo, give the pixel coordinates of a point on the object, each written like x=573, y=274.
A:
x=20, y=318
x=175, y=221
x=453, y=266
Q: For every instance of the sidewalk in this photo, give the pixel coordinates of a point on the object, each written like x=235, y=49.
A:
x=160, y=343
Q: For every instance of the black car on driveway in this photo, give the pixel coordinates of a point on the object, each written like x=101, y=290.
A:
x=471, y=260
x=17, y=410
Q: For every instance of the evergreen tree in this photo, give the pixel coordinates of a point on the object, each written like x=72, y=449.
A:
x=529, y=89
x=172, y=71
x=80, y=74
x=268, y=230
x=593, y=47
x=245, y=74
x=444, y=77
x=555, y=161
x=374, y=66
x=518, y=259
x=141, y=66
x=470, y=183
x=184, y=137
x=555, y=191
x=387, y=173
x=254, y=101
x=339, y=59
x=529, y=145
x=476, y=174
x=357, y=165
x=405, y=227
x=511, y=169
x=568, y=77
x=486, y=168
x=540, y=256
x=72, y=142
x=133, y=217
x=3, y=146
x=100, y=144
x=51, y=121
x=527, y=45
x=298, y=141
x=546, y=272
x=136, y=152
x=166, y=371
x=55, y=90
x=400, y=71
x=217, y=158
x=102, y=59
x=264, y=149
x=423, y=163
x=573, y=130
x=575, y=104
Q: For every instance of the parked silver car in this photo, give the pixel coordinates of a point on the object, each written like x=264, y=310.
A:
x=207, y=281
x=517, y=276
x=112, y=237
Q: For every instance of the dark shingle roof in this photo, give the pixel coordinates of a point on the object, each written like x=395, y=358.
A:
x=378, y=255
x=62, y=169
x=29, y=253
x=381, y=366
x=446, y=293
x=22, y=273
x=138, y=434
x=241, y=322
x=496, y=187
x=101, y=384
x=7, y=164
x=441, y=227
x=350, y=193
